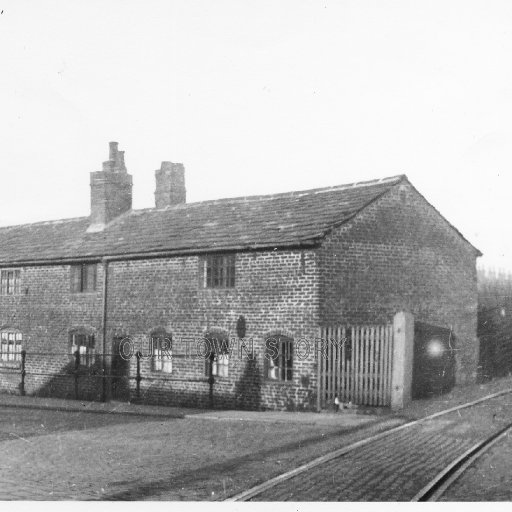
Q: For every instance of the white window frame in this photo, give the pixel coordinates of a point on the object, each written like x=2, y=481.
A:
x=283, y=371
x=220, y=365
x=87, y=351
x=162, y=358
x=11, y=341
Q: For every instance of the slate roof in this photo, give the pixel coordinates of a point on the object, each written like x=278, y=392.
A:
x=278, y=220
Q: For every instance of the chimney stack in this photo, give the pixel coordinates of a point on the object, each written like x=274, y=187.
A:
x=170, y=185
x=111, y=190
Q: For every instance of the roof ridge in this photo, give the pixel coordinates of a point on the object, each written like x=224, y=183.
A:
x=277, y=195
x=44, y=222
x=333, y=188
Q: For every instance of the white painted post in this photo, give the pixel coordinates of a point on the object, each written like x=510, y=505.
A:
x=403, y=350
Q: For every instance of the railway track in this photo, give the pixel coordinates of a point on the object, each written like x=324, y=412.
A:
x=400, y=460
x=449, y=475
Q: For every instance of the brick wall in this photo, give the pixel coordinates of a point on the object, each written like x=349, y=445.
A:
x=399, y=254
x=45, y=312
x=276, y=292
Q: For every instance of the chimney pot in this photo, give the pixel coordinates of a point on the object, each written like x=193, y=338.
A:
x=120, y=160
x=113, y=150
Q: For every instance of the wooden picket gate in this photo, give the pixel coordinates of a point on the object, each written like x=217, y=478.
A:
x=355, y=365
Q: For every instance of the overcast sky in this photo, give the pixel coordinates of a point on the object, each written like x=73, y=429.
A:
x=260, y=97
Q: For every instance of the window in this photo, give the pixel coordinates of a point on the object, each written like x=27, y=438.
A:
x=10, y=346
x=10, y=282
x=84, y=343
x=219, y=271
x=161, y=346
x=220, y=365
x=217, y=344
x=279, y=358
x=83, y=277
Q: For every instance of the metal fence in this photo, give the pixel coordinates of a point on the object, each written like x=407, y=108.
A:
x=100, y=368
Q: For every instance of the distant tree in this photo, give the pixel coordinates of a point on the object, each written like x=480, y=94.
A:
x=494, y=322
x=494, y=288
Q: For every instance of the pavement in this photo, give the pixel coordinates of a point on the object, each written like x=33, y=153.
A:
x=113, y=407
x=348, y=417
x=351, y=419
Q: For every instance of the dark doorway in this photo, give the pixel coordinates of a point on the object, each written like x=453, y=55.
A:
x=434, y=360
x=120, y=372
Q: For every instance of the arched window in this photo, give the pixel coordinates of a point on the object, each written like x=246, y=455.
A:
x=10, y=345
x=161, y=351
x=279, y=358
x=217, y=342
x=83, y=341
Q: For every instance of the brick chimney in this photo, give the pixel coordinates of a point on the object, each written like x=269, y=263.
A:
x=111, y=190
x=170, y=185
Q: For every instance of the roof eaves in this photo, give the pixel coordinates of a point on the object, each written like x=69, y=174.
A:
x=306, y=242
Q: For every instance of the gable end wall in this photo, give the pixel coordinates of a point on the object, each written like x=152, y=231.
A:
x=400, y=254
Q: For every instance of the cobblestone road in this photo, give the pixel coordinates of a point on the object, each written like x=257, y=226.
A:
x=101, y=456
x=396, y=467
x=74, y=455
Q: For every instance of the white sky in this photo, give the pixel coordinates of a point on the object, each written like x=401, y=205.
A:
x=260, y=97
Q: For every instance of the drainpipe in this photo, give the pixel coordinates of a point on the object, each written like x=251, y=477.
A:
x=211, y=379
x=105, y=390
x=319, y=373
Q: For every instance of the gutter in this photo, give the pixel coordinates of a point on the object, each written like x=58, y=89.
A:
x=314, y=242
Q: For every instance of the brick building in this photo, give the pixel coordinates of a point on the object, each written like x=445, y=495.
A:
x=262, y=274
